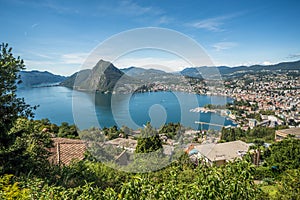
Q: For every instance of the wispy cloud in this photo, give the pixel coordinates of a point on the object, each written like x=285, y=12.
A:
x=294, y=56
x=224, y=45
x=267, y=63
x=213, y=24
x=164, y=20
x=129, y=8
x=74, y=58
x=34, y=25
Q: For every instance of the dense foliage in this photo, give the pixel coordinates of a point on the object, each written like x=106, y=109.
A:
x=264, y=133
x=172, y=130
x=284, y=154
x=148, y=141
x=233, y=181
x=11, y=107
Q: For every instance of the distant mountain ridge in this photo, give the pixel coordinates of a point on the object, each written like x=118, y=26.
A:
x=225, y=70
x=37, y=78
x=104, y=76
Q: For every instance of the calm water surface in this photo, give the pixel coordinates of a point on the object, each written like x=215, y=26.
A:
x=60, y=104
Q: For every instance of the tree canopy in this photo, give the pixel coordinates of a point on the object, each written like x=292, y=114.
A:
x=149, y=140
x=11, y=107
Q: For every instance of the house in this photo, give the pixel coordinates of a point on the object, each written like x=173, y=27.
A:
x=281, y=134
x=219, y=153
x=65, y=150
x=128, y=144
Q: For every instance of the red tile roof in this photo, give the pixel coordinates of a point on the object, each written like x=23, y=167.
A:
x=64, y=150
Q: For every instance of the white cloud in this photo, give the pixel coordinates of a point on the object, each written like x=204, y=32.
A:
x=164, y=20
x=267, y=63
x=74, y=58
x=213, y=24
x=34, y=25
x=294, y=56
x=128, y=7
x=224, y=45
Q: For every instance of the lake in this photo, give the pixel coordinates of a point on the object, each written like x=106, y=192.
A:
x=60, y=104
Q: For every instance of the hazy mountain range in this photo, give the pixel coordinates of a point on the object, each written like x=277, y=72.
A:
x=39, y=79
x=104, y=75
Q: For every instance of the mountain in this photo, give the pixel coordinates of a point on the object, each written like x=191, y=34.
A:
x=103, y=78
x=240, y=70
x=37, y=78
x=137, y=71
x=191, y=72
x=149, y=75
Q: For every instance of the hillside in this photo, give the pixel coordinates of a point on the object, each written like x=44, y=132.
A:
x=226, y=71
x=152, y=75
x=103, y=77
x=37, y=79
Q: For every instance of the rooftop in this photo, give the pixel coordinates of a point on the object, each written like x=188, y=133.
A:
x=65, y=150
x=223, y=151
x=289, y=131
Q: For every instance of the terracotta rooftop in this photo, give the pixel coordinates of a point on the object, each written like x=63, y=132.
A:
x=64, y=150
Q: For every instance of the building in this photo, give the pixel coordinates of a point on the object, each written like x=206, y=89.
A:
x=281, y=134
x=252, y=123
x=128, y=144
x=65, y=150
x=220, y=153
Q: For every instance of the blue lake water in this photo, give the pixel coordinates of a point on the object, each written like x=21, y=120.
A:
x=60, y=104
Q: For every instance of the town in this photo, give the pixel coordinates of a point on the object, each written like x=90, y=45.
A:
x=267, y=98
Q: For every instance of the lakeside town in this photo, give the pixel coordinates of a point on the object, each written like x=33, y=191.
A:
x=267, y=99
x=150, y=100
x=268, y=102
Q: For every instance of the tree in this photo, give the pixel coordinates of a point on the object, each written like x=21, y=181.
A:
x=11, y=107
x=22, y=144
x=149, y=140
x=284, y=154
x=67, y=131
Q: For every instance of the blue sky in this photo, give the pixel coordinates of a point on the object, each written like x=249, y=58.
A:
x=57, y=35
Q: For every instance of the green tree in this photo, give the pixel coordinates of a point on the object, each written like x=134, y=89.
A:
x=67, y=131
x=149, y=140
x=22, y=144
x=11, y=107
x=284, y=154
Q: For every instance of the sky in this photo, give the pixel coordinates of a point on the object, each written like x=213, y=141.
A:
x=59, y=35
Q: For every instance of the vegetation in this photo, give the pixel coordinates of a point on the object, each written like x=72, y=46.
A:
x=26, y=174
x=264, y=133
x=113, y=132
x=172, y=130
x=148, y=141
x=212, y=106
x=233, y=181
x=22, y=146
x=284, y=155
